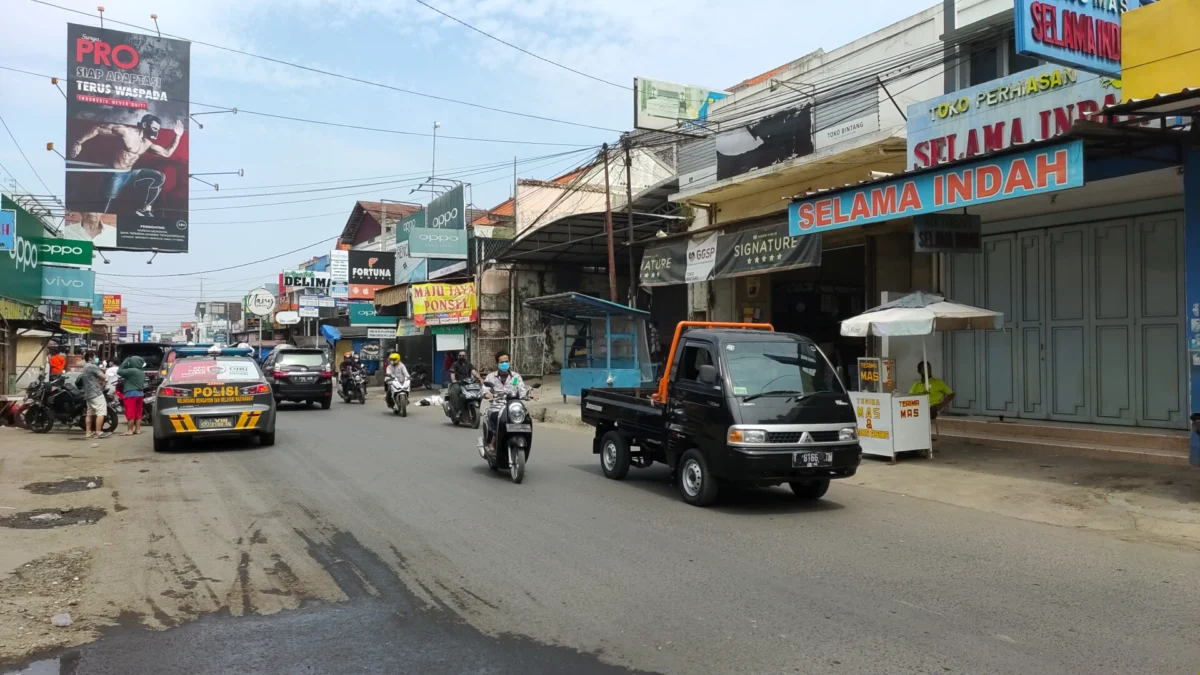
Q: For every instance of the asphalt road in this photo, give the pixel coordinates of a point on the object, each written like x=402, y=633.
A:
x=450, y=568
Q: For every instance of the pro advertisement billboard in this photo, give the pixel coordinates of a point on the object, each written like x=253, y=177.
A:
x=127, y=143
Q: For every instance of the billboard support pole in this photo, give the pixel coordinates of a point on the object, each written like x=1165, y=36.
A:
x=608, y=228
x=629, y=212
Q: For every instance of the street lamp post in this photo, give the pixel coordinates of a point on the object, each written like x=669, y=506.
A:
x=433, y=170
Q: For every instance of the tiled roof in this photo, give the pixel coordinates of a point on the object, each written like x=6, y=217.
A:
x=376, y=209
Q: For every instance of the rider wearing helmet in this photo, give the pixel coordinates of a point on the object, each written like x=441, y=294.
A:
x=395, y=369
x=350, y=365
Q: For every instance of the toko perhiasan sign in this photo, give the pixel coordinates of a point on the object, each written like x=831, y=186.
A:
x=1034, y=105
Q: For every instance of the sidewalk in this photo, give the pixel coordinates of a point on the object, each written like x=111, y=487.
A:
x=1130, y=500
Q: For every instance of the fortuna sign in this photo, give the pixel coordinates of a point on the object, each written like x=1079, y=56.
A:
x=987, y=180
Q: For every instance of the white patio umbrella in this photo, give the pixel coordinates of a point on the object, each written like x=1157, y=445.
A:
x=920, y=314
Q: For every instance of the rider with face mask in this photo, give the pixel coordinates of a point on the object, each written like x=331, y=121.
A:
x=499, y=384
x=460, y=372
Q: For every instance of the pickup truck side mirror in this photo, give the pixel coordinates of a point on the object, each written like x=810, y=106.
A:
x=707, y=374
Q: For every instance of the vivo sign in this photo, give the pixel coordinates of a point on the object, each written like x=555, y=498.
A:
x=67, y=284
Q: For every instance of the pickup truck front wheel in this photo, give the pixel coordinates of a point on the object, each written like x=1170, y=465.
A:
x=696, y=483
x=614, y=456
x=810, y=489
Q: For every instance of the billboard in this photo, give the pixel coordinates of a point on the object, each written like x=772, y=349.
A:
x=111, y=304
x=363, y=314
x=76, y=319
x=1032, y=105
x=8, y=230
x=339, y=266
x=20, y=268
x=369, y=272
x=65, y=252
x=1084, y=35
x=444, y=232
x=406, y=224
x=659, y=105
x=776, y=138
x=306, y=279
x=127, y=145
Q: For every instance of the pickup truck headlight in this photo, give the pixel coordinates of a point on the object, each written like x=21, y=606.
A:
x=516, y=413
x=747, y=436
x=848, y=434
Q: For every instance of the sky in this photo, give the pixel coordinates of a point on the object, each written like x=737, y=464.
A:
x=403, y=44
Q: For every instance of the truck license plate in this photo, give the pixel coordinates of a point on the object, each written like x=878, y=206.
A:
x=214, y=423
x=808, y=460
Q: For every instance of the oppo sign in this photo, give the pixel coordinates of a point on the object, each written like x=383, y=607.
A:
x=24, y=254
x=446, y=219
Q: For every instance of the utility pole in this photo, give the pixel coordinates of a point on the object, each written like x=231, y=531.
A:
x=433, y=169
x=608, y=228
x=633, y=280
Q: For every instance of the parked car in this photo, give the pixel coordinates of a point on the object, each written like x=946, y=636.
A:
x=737, y=405
x=300, y=375
x=214, y=394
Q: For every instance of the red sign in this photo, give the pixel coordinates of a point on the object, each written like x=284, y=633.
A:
x=76, y=319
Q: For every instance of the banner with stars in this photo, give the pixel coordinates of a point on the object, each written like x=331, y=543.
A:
x=728, y=253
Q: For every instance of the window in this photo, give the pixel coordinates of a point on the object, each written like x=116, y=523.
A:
x=990, y=57
x=985, y=65
x=309, y=359
x=782, y=367
x=695, y=356
x=200, y=370
x=1018, y=62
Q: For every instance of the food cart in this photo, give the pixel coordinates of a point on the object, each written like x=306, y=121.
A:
x=604, y=343
x=889, y=421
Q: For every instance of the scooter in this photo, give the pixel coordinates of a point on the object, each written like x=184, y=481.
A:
x=59, y=404
x=397, y=395
x=354, y=388
x=472, y=395
x=420, y=377
x=514, y=438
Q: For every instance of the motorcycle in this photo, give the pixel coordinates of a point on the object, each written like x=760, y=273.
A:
x=420, y=377
x=61, y=403
x=397, y=395
x=33, y=394
x=353, y=387
x=514, y=438
x=472, y=395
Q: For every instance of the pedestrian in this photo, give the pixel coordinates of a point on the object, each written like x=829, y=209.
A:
x=58, y=362
x=92, y=381
x=133, y=384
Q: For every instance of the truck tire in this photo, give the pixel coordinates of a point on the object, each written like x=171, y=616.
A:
x=614, y=456
x=810, y=489
x=697, y=485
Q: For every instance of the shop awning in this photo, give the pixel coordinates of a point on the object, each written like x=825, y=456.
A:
x=574, y=305
x=580, y=239
x=392, y=295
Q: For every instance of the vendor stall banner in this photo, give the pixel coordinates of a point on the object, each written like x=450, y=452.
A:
x=127, y=143
x=664, y=264
x=65, y=252
x=774, y=139
x=440, y=304
x=1033, y=105
x=1086, y=35
x=306, y=279
x=76, y=319
x=67, y=284
x=948, y=233
x=110, y=303
x=363, y=314
x=444, y=232
x=770, y=248
x=994, y=179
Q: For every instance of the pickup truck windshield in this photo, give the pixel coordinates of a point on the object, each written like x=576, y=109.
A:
x=788, y=368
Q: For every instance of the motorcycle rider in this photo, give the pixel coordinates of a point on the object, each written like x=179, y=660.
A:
x=461, y=371
x=395, y=370
x=499, y=384
x=350, y=365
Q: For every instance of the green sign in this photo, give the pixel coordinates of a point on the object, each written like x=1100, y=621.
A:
x=65, y=252
x=20, y=268
x=407, y=224
x=444, y=234
x=363, y=314
x=449, y=330
x=427, y=242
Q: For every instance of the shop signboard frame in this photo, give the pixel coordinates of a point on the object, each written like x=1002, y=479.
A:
x=1084, y=35
x=20, y=268
x=8, y=229
x=65, y=252
x=728, y=253
x=306, y=279
x=983, y=181
x=441, y=304
x=444, y=232
x=364, y=314
x=659, y=105
x=68, y=284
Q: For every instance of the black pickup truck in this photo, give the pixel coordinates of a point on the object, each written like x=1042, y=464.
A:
x=750, y=407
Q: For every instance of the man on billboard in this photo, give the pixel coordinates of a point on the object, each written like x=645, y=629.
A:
x=136, y=141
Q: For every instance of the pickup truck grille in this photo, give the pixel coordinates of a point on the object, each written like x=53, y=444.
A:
x=787, y=437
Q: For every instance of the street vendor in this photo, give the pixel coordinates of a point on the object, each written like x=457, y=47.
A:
x=940, y=393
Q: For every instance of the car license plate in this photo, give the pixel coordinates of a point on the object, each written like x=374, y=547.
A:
x=519, y=427
x=808, y=460
x=214, y=423
x=306, y=379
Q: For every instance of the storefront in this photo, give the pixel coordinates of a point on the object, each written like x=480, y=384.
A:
x=20, y=288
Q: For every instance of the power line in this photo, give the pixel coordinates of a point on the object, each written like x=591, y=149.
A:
x=341, y=125
x=328, y=73
x=522, y=49
x=35, y=171
x=219, y=269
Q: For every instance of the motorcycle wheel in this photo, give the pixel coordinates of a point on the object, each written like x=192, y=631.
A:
x=403, y=405
x=473, y=416
x=41, y=421
x=516, y=463
x=110, y=421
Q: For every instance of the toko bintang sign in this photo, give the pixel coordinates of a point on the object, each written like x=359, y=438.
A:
x=997, y=178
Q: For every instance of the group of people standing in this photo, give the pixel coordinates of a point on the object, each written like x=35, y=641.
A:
x=97, y=377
